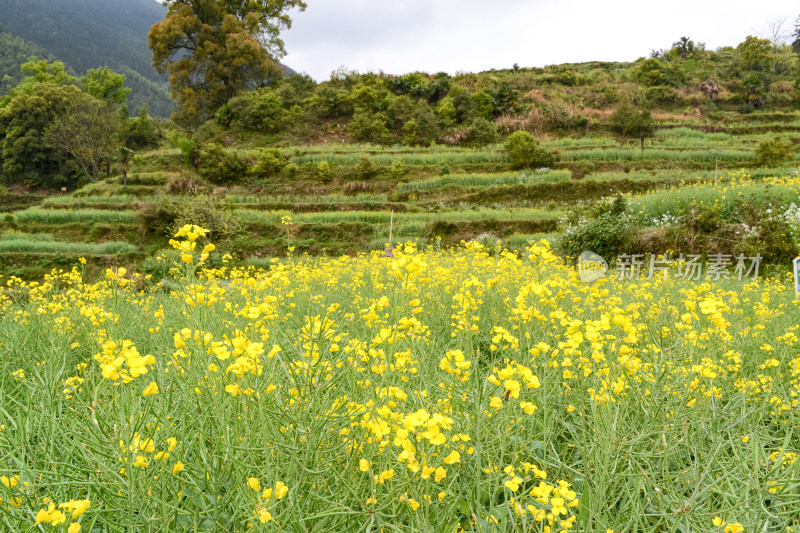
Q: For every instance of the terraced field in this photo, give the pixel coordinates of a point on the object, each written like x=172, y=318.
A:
x=437, y=195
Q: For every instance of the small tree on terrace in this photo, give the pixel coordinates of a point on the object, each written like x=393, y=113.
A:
x=87, y=132
x=632, y=122
x=524, y=151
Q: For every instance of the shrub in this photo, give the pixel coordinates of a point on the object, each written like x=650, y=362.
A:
x=629, y=121
x=607, y=229
x=188, y=148
x=365, y=167
x=480, y=133
x=270, y=162
x=607, y=235
x=257, y=110
x=398, y=169
x=165, y=215
x=524, y=151
x=324, y=170
x=774, y=152
x=219, y=165
x=161, y=263
x=183, y=185
x=368, y=127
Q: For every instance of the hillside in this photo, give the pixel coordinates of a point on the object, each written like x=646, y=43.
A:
x=14, y=51
x=88, y=34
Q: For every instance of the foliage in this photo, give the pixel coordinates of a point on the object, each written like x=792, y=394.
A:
x=754, y=53
x=652, y=72
x=324, y=171
x=24, y=121
x=365, y=167
x=87, y=131
x=774, y=152
x=186, y=144
x=218, y=165
x=105, y=84
x=684, y=46
x=398, y=169
x=141, y=131
x=257, y=110
x=269, y=163
x=607, y=230
x=524, y=151
x=14, y=51
x=480, y=132
x=86, y=35
x=368, y=127
x=215, y=49
x=629, y=121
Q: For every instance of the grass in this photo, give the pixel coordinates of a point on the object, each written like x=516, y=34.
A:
x=70, y=201
x=63, y=216
x=683, y=175
x=27, y=245
x=728, y=195
x=486, y=180
x=649, y=154
x=471, y=157
x=373, y=217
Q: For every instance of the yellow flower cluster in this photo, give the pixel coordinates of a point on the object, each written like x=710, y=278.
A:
x=436, y=387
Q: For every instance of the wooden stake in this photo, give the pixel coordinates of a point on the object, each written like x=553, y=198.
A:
x=716, y=170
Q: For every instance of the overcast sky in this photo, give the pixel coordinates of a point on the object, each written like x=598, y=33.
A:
x=473, y=35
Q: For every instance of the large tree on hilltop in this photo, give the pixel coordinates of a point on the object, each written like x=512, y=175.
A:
x=215, y=49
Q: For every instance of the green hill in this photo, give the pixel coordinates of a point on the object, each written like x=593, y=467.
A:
x=15, y=51
x=87, y=34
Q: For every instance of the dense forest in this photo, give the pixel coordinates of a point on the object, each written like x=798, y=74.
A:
x=84, y=35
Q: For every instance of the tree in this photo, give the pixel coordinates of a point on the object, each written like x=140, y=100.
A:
x=684, y=47
x=87, y=132
x=524, y=151
x=754, y=53
x=42, y=71
x=795, y=36
x=216, y=49
x=23, y=121
x=773, y=152
x=629, y=121
x=105, y=84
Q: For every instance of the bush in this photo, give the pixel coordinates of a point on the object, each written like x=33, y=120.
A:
x=365, y=167
x=324, y=170
x=480, y=133
x=629, y=121
x=219, y=165
x=369, y=127
x=398, y=169
x=188, y=148
x=269, y=163
x=165, y=215
x=524, y=151
x=258, y=110
x=608, y=230
x=774, y=152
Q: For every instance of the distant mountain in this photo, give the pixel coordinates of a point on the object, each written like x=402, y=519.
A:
x=14, y=51
x=87, y=34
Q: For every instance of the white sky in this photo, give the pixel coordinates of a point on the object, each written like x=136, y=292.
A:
x=473, y=35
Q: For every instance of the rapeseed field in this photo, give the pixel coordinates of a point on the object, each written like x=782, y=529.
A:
x=419, y=390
